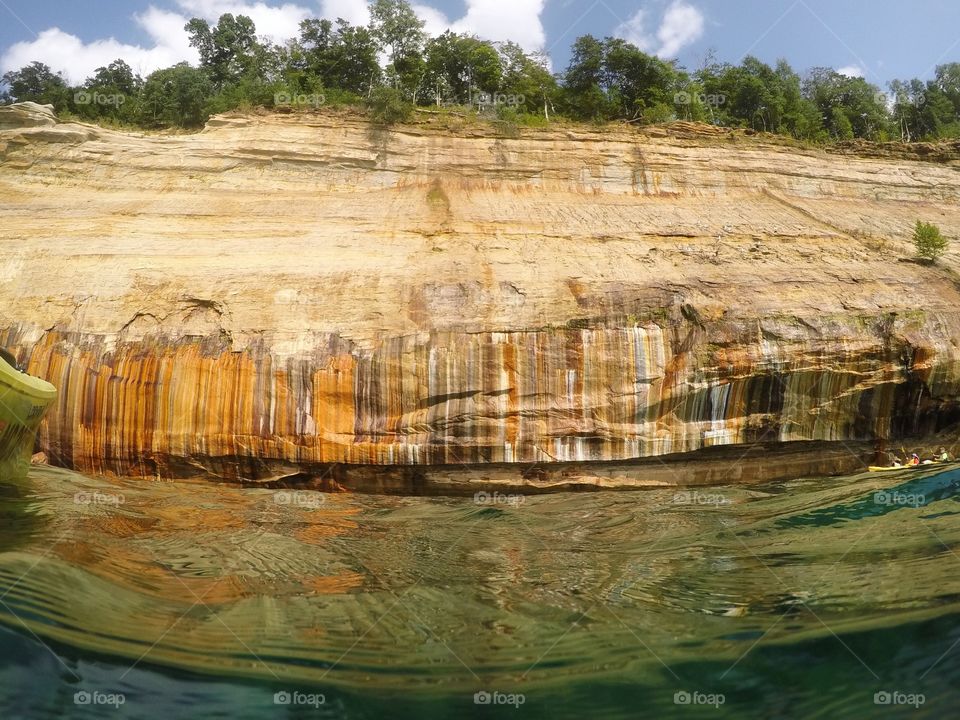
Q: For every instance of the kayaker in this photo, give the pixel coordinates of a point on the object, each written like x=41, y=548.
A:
x=943, y=455
x=915, y=459
x=896, y=461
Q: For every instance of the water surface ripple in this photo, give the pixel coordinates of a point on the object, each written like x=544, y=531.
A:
x=800, y=599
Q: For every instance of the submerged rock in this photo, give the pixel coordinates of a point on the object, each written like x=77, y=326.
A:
x=282, y=294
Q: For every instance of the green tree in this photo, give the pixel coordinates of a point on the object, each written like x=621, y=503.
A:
x=527, y=77
x=641, y=85
x=584, y=94
x=614, y=79
x=840, y=124
x=931, y=110
x=931, y=244
x=441, y=71
x=947, y=80
x=400, y=33
x=116, y=76
x=741, y=95
x=800, y=117
x=940, y=115
x=228, y=50
x=459, y=66
x=175, y=96
x=36, y=82
x=756, y=95
x=387, y=106
x=340, y=56
x=112, y=92
x=941, y=107
x=908, y=104
x=395, y=24
x=851, y=107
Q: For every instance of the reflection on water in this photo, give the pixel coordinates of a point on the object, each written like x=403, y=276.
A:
x=796, y=599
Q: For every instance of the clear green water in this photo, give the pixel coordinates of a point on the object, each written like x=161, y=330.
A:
x=799, y=599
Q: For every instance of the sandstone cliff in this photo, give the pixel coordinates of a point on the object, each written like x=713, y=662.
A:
x=283, y=292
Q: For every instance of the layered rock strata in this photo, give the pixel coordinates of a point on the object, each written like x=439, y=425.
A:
x=281, y=294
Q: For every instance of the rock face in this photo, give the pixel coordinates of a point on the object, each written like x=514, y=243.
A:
x=280, y=293
x=25, y=115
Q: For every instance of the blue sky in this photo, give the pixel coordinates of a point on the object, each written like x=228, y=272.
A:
x=880, y=39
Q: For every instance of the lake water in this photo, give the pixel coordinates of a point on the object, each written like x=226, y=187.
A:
x=833, y=598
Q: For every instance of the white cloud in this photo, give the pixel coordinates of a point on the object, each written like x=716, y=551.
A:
x=436, y=23
x=854, y=71
x=166, y=31
x=517, y=20
x=633, y=31
x=78, y=60
x=681, y=25
x=278, y=23
x=355, y=12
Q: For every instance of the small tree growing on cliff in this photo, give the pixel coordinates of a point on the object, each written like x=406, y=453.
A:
x=930, y=243
x=388, y=106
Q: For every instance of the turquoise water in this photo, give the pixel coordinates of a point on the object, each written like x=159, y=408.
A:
x=134, y=599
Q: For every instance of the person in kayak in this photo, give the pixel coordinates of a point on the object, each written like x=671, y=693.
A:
x=914, y=459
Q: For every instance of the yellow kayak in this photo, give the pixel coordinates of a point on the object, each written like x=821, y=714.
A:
x=24, y=400
x=889, y=468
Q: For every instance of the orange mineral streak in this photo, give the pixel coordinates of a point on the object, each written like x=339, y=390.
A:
x=285, y=295
x=166, y=407
x=333, y=410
